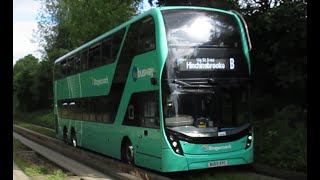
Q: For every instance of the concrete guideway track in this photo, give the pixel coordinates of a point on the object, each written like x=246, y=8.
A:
x=106, y=165
x=73, y=166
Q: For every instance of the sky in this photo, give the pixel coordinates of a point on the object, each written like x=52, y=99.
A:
x=25, y=23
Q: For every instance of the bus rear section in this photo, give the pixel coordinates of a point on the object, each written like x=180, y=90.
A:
x=205, y=91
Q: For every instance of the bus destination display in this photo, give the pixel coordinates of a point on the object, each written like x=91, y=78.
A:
x=206, y=64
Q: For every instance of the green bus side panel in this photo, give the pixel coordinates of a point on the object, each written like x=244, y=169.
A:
x=107, y=138
x=95, y=82
x=103, y=138
x=143, y=62
x=172, y=162
x=62, y=89
x=100, y=137
x=147, y=152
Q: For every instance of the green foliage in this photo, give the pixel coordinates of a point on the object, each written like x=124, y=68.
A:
x=32, y=84
x=279, y=58
x=57, y=175
x=23, y=77
x=279, y=55
x=64, y=25
x=42, y=118
x=281, y=140
x=36, y=128
x=15, y=102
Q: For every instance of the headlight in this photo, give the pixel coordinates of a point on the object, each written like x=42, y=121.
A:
x=174, y=142
x=249, y=140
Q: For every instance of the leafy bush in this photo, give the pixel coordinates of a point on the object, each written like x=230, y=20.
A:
x=43, y=118
x=281, y=140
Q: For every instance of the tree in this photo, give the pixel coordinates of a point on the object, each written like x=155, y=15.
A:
x=279, y=54
x=65, y=24
x=23, y=75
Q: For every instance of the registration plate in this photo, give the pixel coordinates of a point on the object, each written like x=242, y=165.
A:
x=218, y=163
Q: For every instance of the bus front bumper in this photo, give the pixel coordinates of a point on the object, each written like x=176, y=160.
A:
x=172, y=162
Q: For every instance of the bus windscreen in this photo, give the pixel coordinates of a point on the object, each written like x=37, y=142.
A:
x=201, y=28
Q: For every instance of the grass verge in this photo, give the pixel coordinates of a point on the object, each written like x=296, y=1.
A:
x=35, y=166
x=36, y=128
x=41, y=118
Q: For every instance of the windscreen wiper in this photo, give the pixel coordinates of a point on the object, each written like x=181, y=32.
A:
x=185, y=84
x=212, y=81
x=181, y=82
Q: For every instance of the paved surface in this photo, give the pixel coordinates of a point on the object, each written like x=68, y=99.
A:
x=85, y=172
x=18, y=173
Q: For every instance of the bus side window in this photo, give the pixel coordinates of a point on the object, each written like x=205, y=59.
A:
x=80, y=109
x=116, y=43
x=85, y=109
x=92, y=113
x=131, y=112
x=64, y=110
x=77, y=110
x=71, y=66
x=132, y=115
x=147, y=35
x=150, y=109
x=143, y=110
x=77, y=63
x=94, y=56
x=106, y=51
x=84, y=60
x=64, y=68
x=60, y=108
x=105, y=109
x=72, y=109
x=98, y=108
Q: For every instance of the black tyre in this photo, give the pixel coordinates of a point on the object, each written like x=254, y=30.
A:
x=74, y=140
x=128, y=152
x=65, y=135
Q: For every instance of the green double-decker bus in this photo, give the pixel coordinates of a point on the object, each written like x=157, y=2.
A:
x=168, y=90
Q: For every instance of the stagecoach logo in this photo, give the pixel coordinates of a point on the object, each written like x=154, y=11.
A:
x=207, y=148
x=139, y=73
x=98, y=82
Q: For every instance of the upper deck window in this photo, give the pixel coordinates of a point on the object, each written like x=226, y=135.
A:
x=201, y=28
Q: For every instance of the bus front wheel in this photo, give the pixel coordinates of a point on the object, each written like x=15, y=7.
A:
x=127, y=152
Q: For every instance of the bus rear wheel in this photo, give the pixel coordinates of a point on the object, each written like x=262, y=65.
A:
x=65, y=135
x=127, y=152
x=73, y=138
